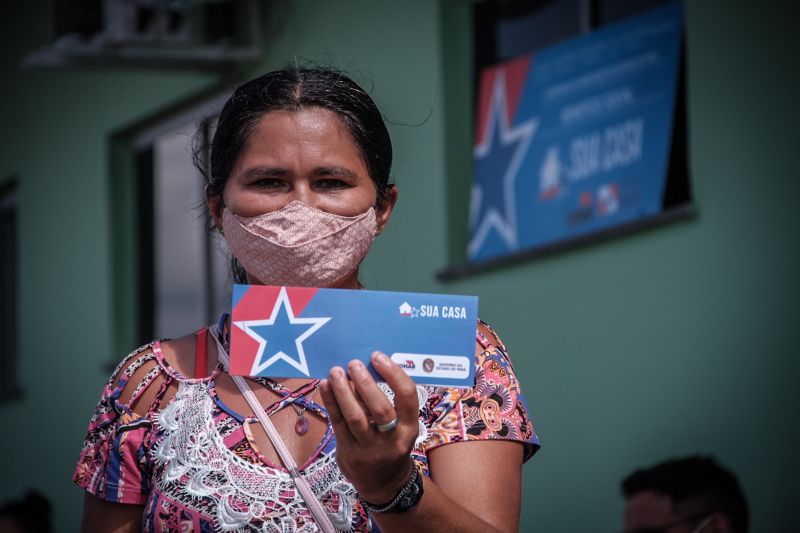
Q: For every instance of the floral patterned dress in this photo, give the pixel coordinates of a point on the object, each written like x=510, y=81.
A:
x=193, y=463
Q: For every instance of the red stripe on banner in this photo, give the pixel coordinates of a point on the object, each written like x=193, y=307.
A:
x=484, y=102
x=516, y=72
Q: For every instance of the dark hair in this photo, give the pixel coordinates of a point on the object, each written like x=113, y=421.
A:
x=296, y=89
x=30, y=514
x=697, y=485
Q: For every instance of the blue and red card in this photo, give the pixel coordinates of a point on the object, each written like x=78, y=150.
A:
x=302, y=332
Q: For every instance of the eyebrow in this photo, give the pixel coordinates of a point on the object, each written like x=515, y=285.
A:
x=335, y=171
x=261, y=172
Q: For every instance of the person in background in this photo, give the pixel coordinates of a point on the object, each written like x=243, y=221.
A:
x=688, y=495
x=31, y=514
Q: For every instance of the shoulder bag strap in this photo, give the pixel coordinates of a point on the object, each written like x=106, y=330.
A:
x=313, y=504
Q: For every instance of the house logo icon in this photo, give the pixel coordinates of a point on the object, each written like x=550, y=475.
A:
x=405, y=309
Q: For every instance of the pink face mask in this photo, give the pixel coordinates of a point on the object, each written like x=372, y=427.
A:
x=298, y=245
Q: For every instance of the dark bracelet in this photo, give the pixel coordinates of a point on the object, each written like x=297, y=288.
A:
x=407, y=498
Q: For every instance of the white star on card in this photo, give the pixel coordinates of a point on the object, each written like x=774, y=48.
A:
x=300, y=362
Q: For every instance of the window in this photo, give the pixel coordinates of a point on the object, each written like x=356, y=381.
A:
x=9, y=385
x=170, y=272
x=504, y=29
x=189, y=264
x=182, y=267
x=198, y=34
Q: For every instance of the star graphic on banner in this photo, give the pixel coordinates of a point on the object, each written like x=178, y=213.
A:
x=500, y=153
x=281, y=336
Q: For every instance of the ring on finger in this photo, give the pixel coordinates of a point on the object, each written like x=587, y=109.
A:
x=388, y=426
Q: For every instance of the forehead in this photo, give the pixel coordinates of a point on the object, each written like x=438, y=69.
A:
x=647, y=509
x=307, y=126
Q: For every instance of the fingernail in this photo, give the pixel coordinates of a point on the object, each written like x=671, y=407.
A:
x=381, y=358
x=356, y=365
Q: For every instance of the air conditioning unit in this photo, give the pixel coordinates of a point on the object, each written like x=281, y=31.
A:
x=175, y=34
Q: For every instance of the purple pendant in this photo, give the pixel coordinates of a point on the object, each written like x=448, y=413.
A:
x=301, y=426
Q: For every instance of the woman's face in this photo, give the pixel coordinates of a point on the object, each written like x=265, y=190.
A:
x=306, y=155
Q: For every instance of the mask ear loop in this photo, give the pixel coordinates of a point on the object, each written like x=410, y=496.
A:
x=381, y=198
x=313, y=504
x=215, y=227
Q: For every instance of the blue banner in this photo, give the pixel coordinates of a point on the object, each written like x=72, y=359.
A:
x=575, y=138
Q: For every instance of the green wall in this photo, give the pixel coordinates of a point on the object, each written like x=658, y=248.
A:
x=668, y=342
x=55, y=134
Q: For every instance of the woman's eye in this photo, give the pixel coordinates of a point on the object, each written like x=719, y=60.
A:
x=331, y=183
x=269, y=183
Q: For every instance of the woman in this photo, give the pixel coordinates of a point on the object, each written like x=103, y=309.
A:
x=298, y=183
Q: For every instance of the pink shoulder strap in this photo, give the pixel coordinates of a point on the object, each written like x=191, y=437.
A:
x=200, y=356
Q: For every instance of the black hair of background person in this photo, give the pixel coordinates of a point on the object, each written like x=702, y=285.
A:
x=31, y=514
x=696, y=485
x=293, y=89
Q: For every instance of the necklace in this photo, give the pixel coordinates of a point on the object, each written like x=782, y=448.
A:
x=302, y=395
x=309, y=389
x=301, y=426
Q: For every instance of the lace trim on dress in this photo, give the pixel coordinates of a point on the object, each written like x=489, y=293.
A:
x=198, y=470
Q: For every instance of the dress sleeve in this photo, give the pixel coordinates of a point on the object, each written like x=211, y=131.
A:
x=113, y=461
x=494, y=408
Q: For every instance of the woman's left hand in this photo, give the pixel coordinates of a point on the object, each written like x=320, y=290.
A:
x=377, y=463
